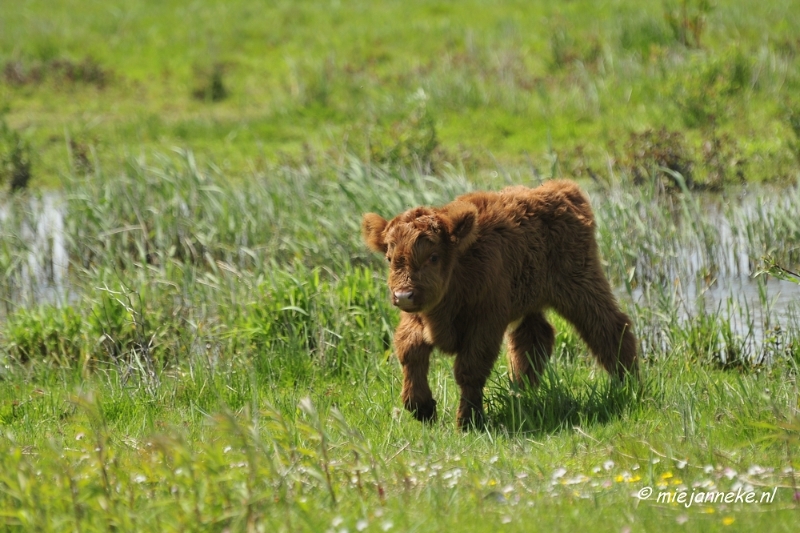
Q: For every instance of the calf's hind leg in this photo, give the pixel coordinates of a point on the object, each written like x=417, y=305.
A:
x=529, y=347
x=591, y=307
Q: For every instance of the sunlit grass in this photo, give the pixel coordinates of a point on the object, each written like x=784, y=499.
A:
x=196, y=338
x=219, y=356
x=501, y=82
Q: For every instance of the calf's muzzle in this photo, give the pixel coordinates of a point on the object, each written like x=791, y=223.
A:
x=403, y=299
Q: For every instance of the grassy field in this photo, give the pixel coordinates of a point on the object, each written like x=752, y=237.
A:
x=469, y=84
x=193, y=337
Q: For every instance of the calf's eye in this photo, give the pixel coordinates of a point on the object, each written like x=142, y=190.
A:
x=434, y=258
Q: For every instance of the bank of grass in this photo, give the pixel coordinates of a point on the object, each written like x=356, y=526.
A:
x=246, y=84
x=217, y=355
x=200, y=341
x=224, y=444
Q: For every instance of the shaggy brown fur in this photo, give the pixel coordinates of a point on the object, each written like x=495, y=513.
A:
x=464, y=273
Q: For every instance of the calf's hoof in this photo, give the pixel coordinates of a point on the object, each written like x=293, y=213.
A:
x=423, y=411
x=470, y=418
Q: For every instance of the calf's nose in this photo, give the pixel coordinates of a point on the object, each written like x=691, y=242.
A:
x=403, y=298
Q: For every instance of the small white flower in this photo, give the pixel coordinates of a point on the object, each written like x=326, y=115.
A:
x=705, y=484
x=559, y=473
x=744, y=487
x=362, y=524
x=608, y=465
x=580, y=478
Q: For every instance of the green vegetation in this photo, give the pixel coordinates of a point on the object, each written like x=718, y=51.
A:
x=196, y=339
x=247, y=84
x=222, y=360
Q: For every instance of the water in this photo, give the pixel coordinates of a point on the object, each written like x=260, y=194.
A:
x=686, y=278
x=753, y=309
x=36, y=264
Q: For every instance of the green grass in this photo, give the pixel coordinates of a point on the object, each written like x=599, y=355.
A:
x=226, y=445
x=206, y=343
x=509, y=81
x=221, y=358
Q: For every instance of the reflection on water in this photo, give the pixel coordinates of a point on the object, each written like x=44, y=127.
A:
x=734, y=321
x=691, y=262
x=770, y=299
x=746, y=303
x=36, y=265
x=710, y=263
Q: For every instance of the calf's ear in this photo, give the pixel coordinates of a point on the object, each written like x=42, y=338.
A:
x=372, y=227
x=460, y=219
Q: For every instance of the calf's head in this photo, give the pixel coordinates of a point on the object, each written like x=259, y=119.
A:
x=422, y=247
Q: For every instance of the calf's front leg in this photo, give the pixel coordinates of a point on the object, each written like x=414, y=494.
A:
x=472, y=368
x=415, y=355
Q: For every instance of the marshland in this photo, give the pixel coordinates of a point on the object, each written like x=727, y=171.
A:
x=194, y=337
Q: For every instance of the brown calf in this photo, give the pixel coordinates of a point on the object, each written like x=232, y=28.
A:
x=464, y=273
